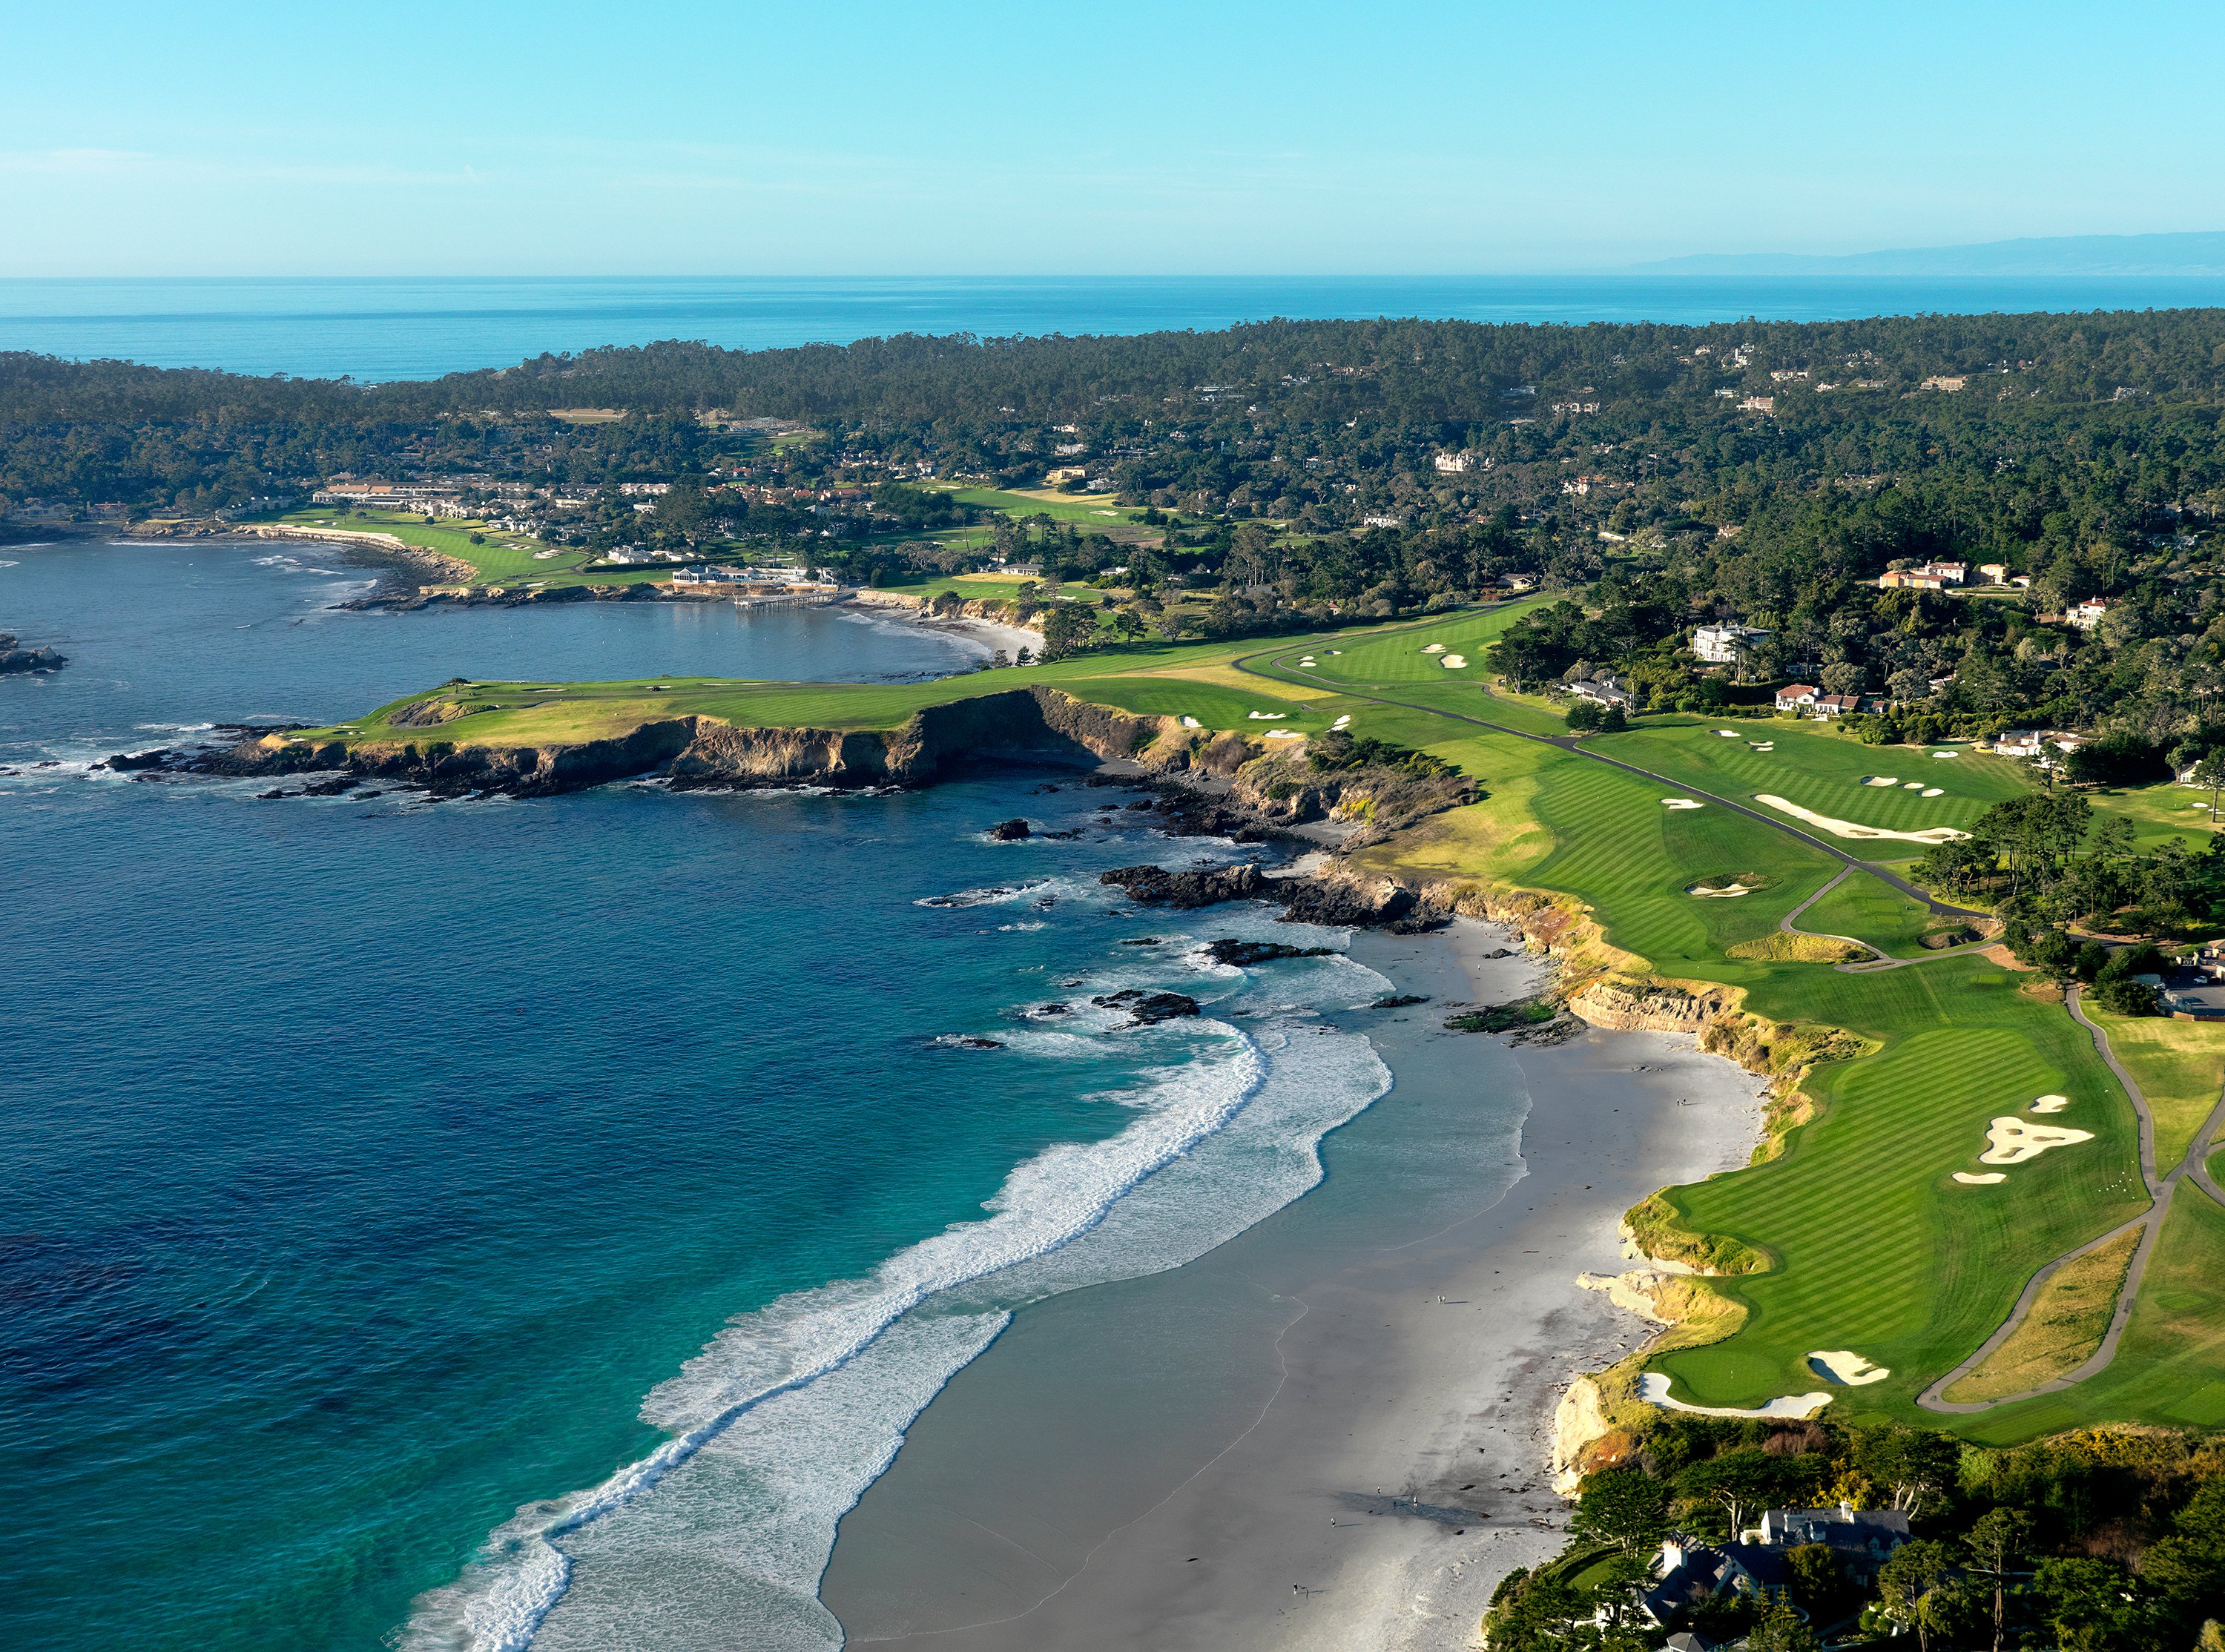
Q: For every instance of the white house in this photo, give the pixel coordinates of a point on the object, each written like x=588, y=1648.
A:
x=2087, y=614
x=1726, y=645
x=1795, y=695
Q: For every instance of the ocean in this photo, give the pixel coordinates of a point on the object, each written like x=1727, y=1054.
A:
x=389, y=328
x=496, y=1224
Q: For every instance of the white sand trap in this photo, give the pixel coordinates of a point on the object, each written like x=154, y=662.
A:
x=1727, y=734
x=2051, y=1103
x=1267, y=717
x=1305, y=663
x=1435, y=648
x=1853, y=829
x=1678, y=803
x=1454, y=663
x=1986, y=1180
x=1763, y=745
x=1341, y=721
x=1946, y=754
x=1285, y=734
x=2015, y=1142
x=1192, y=723
x=1933, y=791
x=1880, y=780
x=1728, y=892
x=1653, y=1388
x=1911, y=785
x=1845, y=1365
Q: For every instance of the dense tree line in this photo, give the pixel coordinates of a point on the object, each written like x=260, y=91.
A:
x=2102, y=1542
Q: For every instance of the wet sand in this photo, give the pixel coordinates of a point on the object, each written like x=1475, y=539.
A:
x=1331, y=1433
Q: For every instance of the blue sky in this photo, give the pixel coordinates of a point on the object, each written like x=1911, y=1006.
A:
x=866, y=138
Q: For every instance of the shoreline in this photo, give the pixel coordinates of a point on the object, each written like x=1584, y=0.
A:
x=1193, y=1459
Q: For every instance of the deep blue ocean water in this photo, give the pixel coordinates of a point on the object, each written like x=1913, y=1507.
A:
x=387, y=328
x=482, y=1223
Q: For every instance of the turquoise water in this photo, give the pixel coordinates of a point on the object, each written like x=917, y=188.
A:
x=485, y=1224
x=385, y=328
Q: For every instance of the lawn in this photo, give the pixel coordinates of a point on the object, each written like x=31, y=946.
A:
x=2179, y=1066
x=500, y=557
x=1083, y=509
x=1871, y=909
x=1870, y=1244
x=1823, y=771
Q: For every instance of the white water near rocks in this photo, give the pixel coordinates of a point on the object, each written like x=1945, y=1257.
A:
x=783, y=1420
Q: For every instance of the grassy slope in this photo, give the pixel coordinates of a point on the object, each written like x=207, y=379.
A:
x=501, y=556
x=1872, y=908
x=1872, y=1245
x=2066, y=1324
x=2179, y=1066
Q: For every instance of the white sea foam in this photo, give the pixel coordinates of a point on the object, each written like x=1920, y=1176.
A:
x=788, y=1415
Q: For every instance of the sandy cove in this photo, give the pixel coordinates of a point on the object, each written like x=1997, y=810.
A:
x=1331, y=1433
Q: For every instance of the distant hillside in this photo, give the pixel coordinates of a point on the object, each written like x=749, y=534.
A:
x=2198, y=253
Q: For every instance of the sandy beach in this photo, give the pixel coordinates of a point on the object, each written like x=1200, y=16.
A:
x=1331, y=1432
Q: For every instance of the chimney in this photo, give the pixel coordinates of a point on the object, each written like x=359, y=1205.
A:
x=1846, y=1511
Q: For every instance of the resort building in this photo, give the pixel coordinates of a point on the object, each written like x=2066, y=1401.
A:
x=1932, y=576
x=1603, y=694
x=1757, y=1566
x=1795, y=695
x=1837, y=704
x=1726, y=645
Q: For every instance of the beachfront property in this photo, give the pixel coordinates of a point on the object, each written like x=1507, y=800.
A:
x=1727, y=645
x=1861, y=1541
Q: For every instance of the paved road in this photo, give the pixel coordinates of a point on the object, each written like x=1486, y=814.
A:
x=1569, y=743
x=2193, y=1167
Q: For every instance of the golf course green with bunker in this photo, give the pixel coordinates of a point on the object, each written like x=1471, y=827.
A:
x=1941, y=1131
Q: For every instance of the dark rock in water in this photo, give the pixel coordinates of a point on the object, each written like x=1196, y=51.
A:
x=1342, y=906
x=1050, y=1011
x=1243, y=953
x=1011, y=831
x=1399, y=1001
x=1148, y=1008
x=331, y=788
x=966, y=1041
x=124, y=761
x=1145, y=940
x=1157, y=886
x=14, y=657
x=1146, y=804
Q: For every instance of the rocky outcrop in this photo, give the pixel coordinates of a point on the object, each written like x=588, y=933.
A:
x=1654, y=1006
x=15, y=658
x=1185, y=891
x=1243, y=953
x=1149, y=1009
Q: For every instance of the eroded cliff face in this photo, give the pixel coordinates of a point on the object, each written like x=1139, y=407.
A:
x=1035, y=725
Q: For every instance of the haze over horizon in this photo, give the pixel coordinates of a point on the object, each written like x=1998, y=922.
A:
x=989, y=139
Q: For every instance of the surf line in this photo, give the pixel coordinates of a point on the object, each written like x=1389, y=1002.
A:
x=534, y=1574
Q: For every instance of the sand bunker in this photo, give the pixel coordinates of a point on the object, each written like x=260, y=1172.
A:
x=1763, y=745
x=1653, y=1388
x=1845, y=1365
x=1454, y=663
x=1911, y=785
x=1880, y=780
x=1933, y=791
x=1946, y=754
x=1435, y=648
x=1285, y=734
x=1341, y=721
x=1267, y=717
x=1727, y=734
x=1192, y=723
x=1305, y=663
x=2015, y=1142
x=1853, y=829
x=1986, y=1180
x=2051, y=1103
x=1728, y=892
x=1678, y=803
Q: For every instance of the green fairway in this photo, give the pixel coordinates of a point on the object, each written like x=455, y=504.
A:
x=498, y=557
x=1867, y=1242
x=1871, y=909
x=1082, y=510
x=1824, y=772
